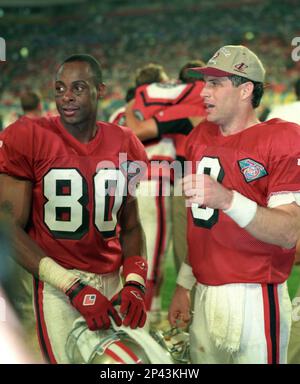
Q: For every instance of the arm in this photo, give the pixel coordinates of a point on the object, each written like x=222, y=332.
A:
x=279, y=226
x=180, y=307
x=145, y=130
x=132, y=236
x=132, y=296
x=15, y=206
x=151, y=128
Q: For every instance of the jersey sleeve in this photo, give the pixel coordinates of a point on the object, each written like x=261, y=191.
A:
x=180, y=111
x=182, y=126
x=284, y=161
x=16, y=150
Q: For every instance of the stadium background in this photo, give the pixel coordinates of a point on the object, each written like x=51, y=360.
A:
x=125, y=34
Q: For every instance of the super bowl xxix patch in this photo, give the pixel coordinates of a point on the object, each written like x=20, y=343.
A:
x=251, y=169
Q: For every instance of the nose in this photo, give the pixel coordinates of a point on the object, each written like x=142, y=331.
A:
x=68, y=95
x=205, y=92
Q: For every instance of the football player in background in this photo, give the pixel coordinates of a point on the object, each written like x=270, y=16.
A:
x=159, y=116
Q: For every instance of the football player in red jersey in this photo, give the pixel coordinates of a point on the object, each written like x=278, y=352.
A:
x=73, y=223
x=163, y=126
x=243, y=220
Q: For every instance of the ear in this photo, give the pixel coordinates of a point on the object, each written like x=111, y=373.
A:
x=246, y=90
x=101, y=90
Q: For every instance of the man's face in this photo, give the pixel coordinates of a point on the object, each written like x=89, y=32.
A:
x=221, y=99
x=76, y=93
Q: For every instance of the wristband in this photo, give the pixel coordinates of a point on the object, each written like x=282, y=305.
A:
x=135, y=269
x=52, y=273
x=186, y=277
x=75, y=289
x=135, y=284
x=242, y=210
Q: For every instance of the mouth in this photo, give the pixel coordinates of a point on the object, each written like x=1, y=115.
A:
x=70, y=111
x=209, y=107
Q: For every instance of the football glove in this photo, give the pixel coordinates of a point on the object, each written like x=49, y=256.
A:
x=133, y=306
x=93, y=306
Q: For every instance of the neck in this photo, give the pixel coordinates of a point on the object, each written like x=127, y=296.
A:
x=33, y=114
x=239, y=123
x=83, y=132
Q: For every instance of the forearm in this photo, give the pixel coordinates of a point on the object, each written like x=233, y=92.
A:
x=275, y=226
x=33, y=258
x=26, y=251
x=279, y=225
x=133, y=241
x=144, y=130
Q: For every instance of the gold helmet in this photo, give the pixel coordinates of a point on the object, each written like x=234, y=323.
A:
x=113, y=346
x=176, y=342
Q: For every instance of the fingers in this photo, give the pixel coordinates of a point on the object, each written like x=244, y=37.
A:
x=136, y=317
x=124, y=305
x=115, y=316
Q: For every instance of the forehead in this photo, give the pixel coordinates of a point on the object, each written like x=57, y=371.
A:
x=74, y=71
x=219, y=79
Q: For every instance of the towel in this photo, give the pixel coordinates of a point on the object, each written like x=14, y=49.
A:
x=224, y=310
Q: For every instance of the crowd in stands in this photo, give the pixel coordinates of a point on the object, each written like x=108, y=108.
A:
x=125, y=37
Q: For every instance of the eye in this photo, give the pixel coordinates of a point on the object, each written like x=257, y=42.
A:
x=59, y=89
x=79, y=88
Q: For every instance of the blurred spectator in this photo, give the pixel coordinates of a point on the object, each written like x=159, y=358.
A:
x=31, y=104
x=289, y=111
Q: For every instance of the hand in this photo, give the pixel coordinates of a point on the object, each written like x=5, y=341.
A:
x=133, y=305
x=93, y=306
x=205, y=190
x=179, y=310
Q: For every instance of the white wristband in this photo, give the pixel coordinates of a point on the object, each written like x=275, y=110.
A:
x=135, y=277
x=186, y=277
x=52, y=273
x=242, y=210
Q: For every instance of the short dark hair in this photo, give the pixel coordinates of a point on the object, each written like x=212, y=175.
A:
x=258, y=89
x=297, y=89
x=187, y=76
x=130, y=94
x=29, y=101
x=93, y=63
x=150, y=73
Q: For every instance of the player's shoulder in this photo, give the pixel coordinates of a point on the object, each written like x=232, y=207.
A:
x=203, y=129
x=24, y=125
x=117, y=132
x=114, y=129
x=278, y=127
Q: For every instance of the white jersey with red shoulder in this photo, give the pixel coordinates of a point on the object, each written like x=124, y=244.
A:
x=262, y=163
x=118, y=117
x=74, y=218
x=168, y=101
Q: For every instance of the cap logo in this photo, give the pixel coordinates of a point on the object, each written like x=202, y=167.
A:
x=213, y=60
x=225, y=51
x=241, y=67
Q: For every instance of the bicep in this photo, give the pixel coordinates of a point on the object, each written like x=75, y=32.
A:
x=15, y=199
x=129, y=218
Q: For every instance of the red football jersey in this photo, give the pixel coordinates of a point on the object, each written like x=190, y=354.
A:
x=118, y=117
x=170, y=101
x=74, y=219
x=259, y=162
